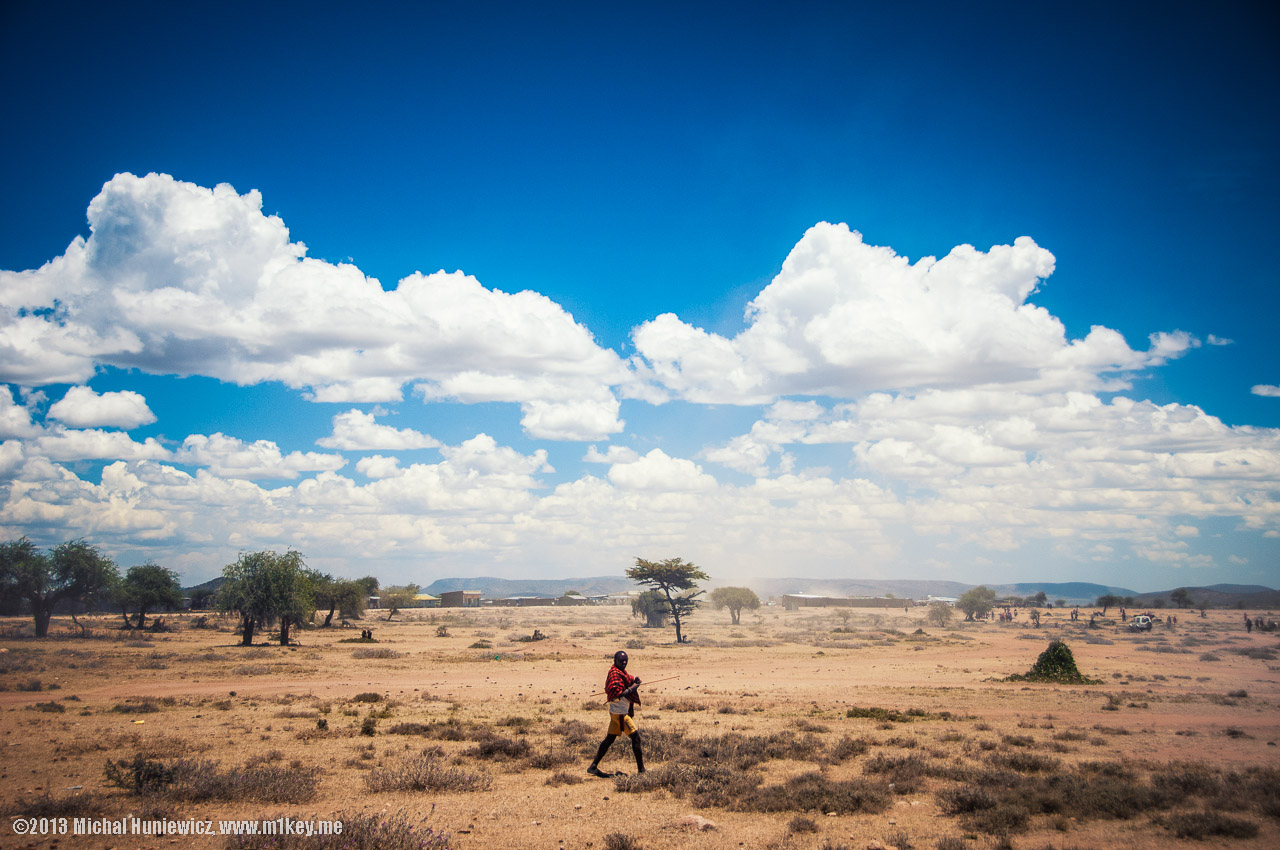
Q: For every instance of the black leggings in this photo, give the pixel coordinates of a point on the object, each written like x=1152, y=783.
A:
x=635, y=748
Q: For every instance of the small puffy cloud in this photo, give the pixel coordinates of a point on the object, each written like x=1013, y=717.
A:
x=378, y=466
x=794, y=411
x=1186, y=531
x=614, y=454
x=356, y=430
x=65, y=444
x=843, y=318
x=179, y=279
x=482, y=454
x=1217, y=340
x=81, y=407
x=578, y=419
x=1268, y=390
x=658, y=471
x=229, y=457
x=15, y=419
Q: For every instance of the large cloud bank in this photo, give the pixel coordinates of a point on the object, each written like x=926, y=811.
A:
x=844, y=317
x=180, y=279
x=957, y=421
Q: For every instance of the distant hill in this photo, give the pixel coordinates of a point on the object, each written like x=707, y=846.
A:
x=1074, y=593
x=499, y=588
x=1219, y=596
x=210, y=586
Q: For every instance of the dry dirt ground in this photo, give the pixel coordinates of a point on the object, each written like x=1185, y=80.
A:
x=1190, y=711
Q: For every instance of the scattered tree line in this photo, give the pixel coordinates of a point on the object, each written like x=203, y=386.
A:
x=263, y=588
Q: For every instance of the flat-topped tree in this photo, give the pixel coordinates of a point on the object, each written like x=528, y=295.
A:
x=151, y=587
x=264, y=586
x=676, y=581
x=70, y=572
x=735, y=599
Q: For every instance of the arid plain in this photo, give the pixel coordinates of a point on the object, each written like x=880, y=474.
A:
x=818, y=728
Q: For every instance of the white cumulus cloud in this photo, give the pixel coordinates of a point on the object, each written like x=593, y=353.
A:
x=356, y=430
x=229, y=457
x=1268, y=390
x=843, y=318
x=179, y=279
x=659, y=471
x=81, y=407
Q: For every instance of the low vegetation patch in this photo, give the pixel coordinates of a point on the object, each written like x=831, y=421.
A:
x=425, y=771
x=200, y=780
x=1056, y=664
x=1210, y=824
x=742, y=790
x=380, y=652
x=360, y=831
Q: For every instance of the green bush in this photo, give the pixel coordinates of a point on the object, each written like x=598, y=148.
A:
x=1055, y=664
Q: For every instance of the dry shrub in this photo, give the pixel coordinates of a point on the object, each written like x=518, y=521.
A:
x=360, y=831
x=621, y=841
x=800, y=823
x=1024, y=762
x=47, y=806
x=714, y=785
x=493, y=746
x=382, y=652
x=741, y=751
x=564, y=777
x=1208, y=824
x=425, y=771
x=200, y=780
x=848, y=747
x=683, y=705
x=551, y=758
x=813, y=791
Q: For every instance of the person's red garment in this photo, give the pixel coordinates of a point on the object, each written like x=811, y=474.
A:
x=618, y=681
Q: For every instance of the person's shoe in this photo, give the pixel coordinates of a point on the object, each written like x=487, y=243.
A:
x=595, y=771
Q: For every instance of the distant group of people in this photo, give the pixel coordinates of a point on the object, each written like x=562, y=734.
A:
x=1260, y=623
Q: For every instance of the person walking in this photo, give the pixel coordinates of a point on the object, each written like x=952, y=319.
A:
x=621, y=689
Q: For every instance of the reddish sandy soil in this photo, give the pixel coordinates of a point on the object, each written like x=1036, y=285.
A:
x=1187, y=694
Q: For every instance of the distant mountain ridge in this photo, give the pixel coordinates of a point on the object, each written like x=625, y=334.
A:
x=1075, y=593
x=498, y=588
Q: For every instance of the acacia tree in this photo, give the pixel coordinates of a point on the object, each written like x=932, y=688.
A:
x=735, y=599
x=264, y=586
x=1106, y=601
x=939, y=614
x=676, y=581
x=396, y=597
x=652, y=607
x=149, y=587
x=976, y=602
x=345, y=595
x=71, y=572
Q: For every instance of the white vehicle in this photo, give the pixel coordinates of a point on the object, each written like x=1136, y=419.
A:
x=1140, y=623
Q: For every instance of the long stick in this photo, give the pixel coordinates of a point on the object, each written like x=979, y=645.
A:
x=654, y=682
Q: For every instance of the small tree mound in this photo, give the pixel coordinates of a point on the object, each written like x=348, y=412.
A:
x=1055, y=664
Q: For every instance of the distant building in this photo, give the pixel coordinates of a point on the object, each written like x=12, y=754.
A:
x=524, y=601
x=460, y=599
x=426, y=600
x=621, y=598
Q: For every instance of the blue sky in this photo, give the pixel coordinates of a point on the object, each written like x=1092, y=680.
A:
x=703, y=205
